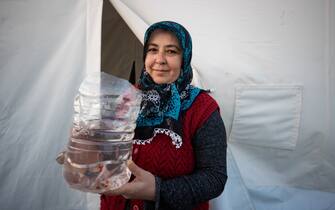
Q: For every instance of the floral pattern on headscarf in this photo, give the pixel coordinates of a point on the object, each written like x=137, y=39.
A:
x=162, y=104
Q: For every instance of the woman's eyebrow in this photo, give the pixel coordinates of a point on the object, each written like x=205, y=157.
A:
x=166, y=46
x=152, y=44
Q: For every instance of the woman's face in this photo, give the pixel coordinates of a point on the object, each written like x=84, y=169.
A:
x=164, y=57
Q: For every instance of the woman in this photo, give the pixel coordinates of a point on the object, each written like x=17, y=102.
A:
x=179, y=153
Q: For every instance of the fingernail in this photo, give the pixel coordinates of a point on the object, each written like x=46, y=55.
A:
x=129, y=162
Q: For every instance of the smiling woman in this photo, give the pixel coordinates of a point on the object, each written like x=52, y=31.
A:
x=179, y=148
x=163, y=57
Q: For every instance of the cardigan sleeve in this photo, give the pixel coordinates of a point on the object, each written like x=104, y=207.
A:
x=209, y=177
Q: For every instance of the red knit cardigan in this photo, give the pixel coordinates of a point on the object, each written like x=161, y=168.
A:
x=163, y=159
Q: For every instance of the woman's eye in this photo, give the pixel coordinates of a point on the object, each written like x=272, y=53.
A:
x=171, y=51
x=152, y=50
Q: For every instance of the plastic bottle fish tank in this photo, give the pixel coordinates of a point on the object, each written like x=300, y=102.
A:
x=100, y=144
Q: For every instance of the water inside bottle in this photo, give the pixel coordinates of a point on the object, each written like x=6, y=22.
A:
x=97, y=166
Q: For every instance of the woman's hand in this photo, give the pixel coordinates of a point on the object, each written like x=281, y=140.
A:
x=142, y=187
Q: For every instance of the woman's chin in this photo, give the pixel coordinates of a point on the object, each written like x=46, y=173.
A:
x=161, y=81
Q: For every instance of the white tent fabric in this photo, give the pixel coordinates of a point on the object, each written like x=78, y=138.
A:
x=271, y=65
x=44, y=50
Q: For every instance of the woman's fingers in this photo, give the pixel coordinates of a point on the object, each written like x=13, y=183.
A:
x=137, y=171
x=126, y=188
x=117, y=191
x=142, y=187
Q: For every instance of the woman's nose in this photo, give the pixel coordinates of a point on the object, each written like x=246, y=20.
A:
x=160, y=58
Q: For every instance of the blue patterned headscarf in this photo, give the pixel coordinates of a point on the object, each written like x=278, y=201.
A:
x=162, y=104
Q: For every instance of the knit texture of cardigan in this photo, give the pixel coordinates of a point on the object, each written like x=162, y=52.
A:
x=186, y=177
